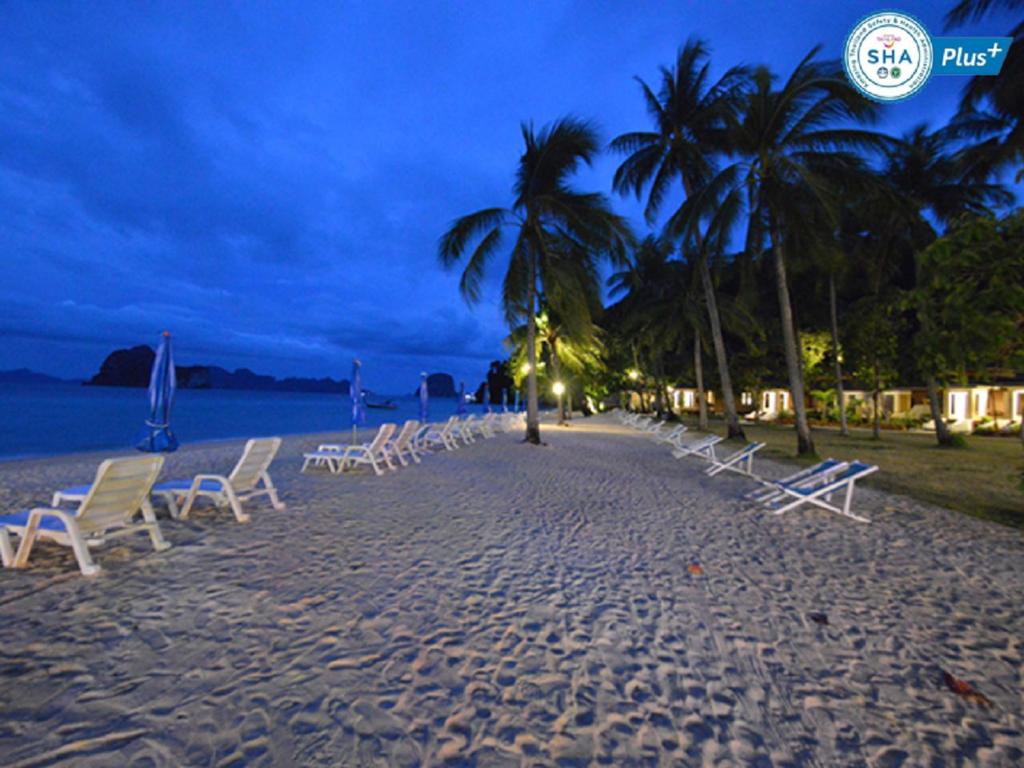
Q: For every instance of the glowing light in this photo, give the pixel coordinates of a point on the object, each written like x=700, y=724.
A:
x=558, y=388
x=634, y=374
x=525, y=369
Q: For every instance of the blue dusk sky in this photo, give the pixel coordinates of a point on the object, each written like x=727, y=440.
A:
x=269, y=180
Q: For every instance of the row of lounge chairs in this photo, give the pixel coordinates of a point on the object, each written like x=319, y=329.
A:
x=814, y=485
x=412, y=441
x=87, y=515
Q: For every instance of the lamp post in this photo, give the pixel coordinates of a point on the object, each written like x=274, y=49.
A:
x=559, y=389
x=634, y=376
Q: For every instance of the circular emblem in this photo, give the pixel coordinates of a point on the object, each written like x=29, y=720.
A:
x=888, y=56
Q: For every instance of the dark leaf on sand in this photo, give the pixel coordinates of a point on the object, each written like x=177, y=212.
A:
x=818, y=618
x=965, y=690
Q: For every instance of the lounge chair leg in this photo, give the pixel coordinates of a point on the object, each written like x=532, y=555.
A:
x=6, y=550
x=81, y=549
x=190, y=499
x=28, y=539
x=236, y=505
x=377, y=470
x=272, y=493
x=156, y=536
x=172, y=503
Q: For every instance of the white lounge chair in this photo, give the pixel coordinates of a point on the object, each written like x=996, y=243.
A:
x=249, y=479
x=654, y=426
x=819, y=489
x=485, y=427
x=464, y=429
x=120, y=490
x=670, y=436
x=742, y=462
x=438, y=436
x=704, y=447
x=404, y=443
x=338, y=458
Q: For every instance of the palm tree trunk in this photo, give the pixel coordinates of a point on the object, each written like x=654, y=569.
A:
x=840, y=395
x=659, y=388
x=532, y=406
x=732, y=420
x=804, y=442
x=698, y=369
x=876, y=430
x=942, y=433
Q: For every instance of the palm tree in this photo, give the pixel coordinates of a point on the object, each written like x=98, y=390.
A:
x=792, y=145
x=656, y=306
x=560, y=237
x=690, y=117
x=1002, y=96
x=928, y=173
x=579, y=354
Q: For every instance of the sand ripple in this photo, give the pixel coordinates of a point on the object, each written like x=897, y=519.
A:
x=509, y=605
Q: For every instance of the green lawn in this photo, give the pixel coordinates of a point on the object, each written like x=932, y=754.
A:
x=983, y=479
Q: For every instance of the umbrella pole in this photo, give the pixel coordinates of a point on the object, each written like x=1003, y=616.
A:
x=353, y=434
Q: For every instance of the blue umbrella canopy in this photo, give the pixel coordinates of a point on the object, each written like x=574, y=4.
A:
x=156, y=436
x=424, y=399
x=486, y=397
x=356, y=391
x=460, y=409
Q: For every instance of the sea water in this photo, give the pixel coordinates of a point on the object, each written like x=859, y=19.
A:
x=47, y=419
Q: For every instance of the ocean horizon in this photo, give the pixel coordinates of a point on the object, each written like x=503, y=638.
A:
x=49, y=419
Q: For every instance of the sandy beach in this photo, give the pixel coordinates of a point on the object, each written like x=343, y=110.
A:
x=510, y=605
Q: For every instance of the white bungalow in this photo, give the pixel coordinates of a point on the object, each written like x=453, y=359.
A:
x=896, y=401
x=1003, y=403
x=774, y=402
x=685, y=399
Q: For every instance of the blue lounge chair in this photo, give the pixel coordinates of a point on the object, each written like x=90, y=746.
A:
x=742, y=462
x=703, y=447
x=818, y=489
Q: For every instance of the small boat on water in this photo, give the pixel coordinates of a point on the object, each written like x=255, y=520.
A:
x=387, y=405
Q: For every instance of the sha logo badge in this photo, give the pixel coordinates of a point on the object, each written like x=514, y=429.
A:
x=888, y=56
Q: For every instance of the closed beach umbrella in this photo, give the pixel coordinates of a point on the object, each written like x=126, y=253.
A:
x=504, y=399
x=356, y=391
x=516, y=409
x=486, y=397
x=424, y=399
x=156, y=436
x=460, y=409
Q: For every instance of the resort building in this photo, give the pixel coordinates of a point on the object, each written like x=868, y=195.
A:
x=896, y=401
x=1001, y=403
x=774, y=402
x=685, y=399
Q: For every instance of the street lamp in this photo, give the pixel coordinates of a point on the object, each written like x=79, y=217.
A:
x=634, y=374
x=559, y=389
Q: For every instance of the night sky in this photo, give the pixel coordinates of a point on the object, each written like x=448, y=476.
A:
x=269, y=181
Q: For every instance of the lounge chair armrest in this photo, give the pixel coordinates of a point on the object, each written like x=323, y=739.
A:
x=63, y=515
x=197, y=481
